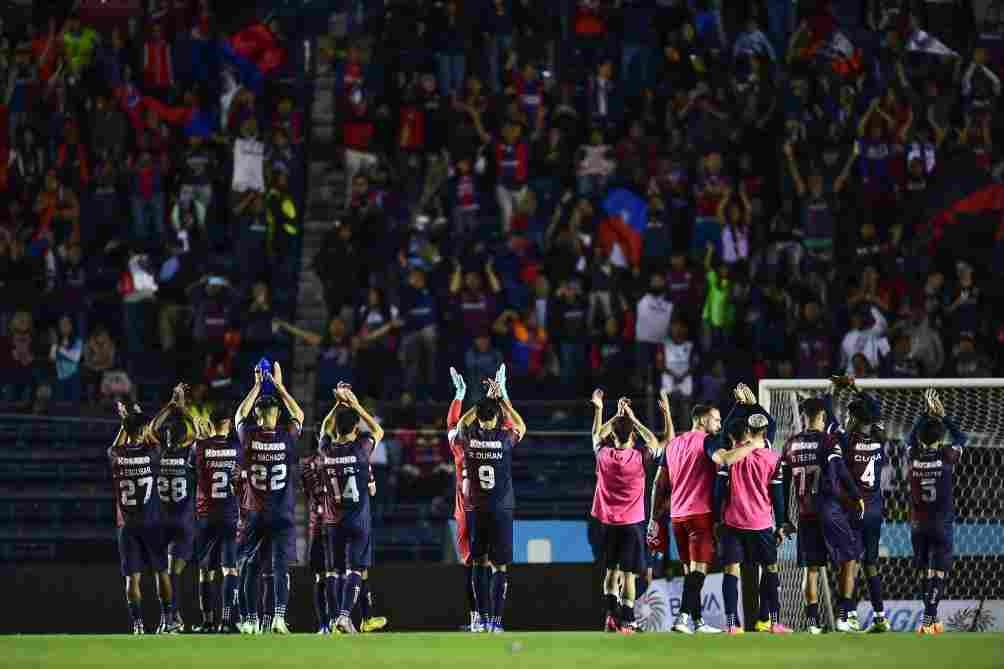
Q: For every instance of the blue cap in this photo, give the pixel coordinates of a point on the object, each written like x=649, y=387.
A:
x=267, y=387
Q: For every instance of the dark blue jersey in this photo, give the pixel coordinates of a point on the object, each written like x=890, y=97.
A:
x=268, y=469
x=214, y=462
x=488, y=458
x=176, y=485
x=346, y=474
x=134, y=479
x=804, y=459
x=932, y=474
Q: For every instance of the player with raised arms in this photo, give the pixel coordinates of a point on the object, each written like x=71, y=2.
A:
x=619, y=504
x=268, y=500
x=489, y=432
x=462, y=506
x=932, y=460
x=862, y=440
x=683, y=491
x=344, y=455
x=172, y=430
x=214, y=459
x=135, y=462
x=749, y=506
x=814, y=467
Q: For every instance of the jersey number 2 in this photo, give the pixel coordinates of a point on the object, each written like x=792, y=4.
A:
x=221, y=485
x=486, y=476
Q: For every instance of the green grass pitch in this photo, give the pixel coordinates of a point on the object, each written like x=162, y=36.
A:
x=513, y=650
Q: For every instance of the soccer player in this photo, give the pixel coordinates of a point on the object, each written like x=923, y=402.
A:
x=814, y=467
x=313, y=486
x=368, y=622
x=749, y=504
x=488, y=442
x=268, y=460
x=462, y=500
x=175, y=486
x=863, y=444
x=683, y=490
x=932, y=487
x=619, y=504
x=345, y=456
x=214, y=459
x=135, y=462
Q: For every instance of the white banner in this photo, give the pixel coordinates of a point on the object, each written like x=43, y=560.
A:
x=249, y=161
x=656, y=610
x=956, y=614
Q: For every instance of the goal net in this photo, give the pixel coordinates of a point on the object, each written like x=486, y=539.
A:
x=978, y=571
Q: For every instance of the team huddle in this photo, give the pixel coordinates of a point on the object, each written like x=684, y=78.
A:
x=226, y=488
x=728, y=488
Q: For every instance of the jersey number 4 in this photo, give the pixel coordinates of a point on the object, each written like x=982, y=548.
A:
x=868, y=476
x=127, y=490
x=262, y=479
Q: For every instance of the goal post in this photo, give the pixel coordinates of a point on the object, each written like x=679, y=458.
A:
x=978, y=572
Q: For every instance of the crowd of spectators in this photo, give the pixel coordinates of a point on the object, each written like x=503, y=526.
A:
x=782, y=158
x=637, y=194
x=152, y=177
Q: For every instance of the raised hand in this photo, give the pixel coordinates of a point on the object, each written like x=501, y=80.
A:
x=459, y=385
x=276, y=374
x=350, y=397
x=624, y=407
x=257, y=375
x=122, y=410
x=597, y=399
x=494, y=391
x=500, y=380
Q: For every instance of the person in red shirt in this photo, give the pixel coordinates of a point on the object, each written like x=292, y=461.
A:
x=158, y=65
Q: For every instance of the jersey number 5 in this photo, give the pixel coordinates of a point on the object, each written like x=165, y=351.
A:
x=486, y=475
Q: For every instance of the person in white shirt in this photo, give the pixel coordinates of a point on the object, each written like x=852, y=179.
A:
x=868, y=340
x=679, y=360
x=654, y=312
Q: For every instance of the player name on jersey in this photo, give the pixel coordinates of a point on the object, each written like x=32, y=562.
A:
x=486, y=450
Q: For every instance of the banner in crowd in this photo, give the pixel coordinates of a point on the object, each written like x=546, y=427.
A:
x=656, y=610
x=958, y=615
x=249, y=160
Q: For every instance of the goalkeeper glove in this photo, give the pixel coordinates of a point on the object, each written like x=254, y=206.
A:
x=458, y=384
x=501, y=380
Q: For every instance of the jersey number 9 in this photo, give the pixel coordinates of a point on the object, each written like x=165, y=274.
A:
x=486, y=476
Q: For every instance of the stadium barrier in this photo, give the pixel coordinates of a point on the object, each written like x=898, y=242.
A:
x=90, y=598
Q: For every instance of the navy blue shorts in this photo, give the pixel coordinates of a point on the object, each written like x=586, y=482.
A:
x=270, y=545
x=215, y=544
x=624, y=548
x=842, y=544
x=315, y=551
x=747, y=546
x=179, y=538
x=869, y=531
x=811, y=546
x=347, y=547
x=933, y=544
x=141, y=548
x=491, y=534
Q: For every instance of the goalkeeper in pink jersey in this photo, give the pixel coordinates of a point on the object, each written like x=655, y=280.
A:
x=619, y=504
x=749, y=509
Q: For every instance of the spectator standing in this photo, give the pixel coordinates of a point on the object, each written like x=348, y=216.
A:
x=419, y=332
x=65, y=353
